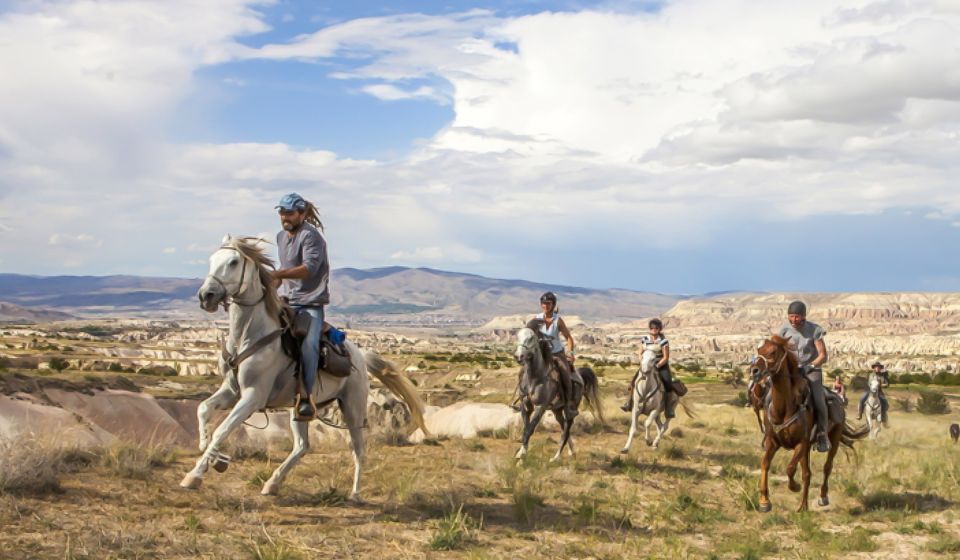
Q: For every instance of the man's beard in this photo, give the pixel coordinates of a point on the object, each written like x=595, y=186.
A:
x=289, y=226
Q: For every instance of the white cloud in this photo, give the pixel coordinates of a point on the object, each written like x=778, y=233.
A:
x=571, y=130
x=448, y=254
x=79, y=240
x=169, y=250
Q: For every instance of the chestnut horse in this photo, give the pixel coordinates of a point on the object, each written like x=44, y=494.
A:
x=788, y=420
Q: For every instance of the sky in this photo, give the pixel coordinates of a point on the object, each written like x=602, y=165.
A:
x=684, y=146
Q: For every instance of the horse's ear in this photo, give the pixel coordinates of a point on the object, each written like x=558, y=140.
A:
x=225, y=240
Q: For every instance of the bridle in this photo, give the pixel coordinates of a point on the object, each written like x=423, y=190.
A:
x=243, y=280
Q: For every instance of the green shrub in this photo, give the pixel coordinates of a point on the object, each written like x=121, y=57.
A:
x=58, y=364
x=932, y=402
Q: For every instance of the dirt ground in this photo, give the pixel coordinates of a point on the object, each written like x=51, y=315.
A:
x=694, y=497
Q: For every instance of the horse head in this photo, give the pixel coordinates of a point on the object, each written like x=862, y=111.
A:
x=874, y=383
x=237, y=272
x=649, y=358
x=773, y=357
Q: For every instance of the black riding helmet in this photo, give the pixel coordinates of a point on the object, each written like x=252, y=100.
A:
x=549, y=296
x=797, y=308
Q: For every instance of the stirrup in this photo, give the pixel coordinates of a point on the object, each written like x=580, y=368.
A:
x=298, y=416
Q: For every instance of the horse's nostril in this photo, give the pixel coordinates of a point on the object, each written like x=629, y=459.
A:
x=754, y=371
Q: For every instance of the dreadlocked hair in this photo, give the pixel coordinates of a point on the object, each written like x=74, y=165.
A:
x=313, y=217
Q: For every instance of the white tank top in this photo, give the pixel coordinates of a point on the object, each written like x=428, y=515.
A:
x=552, y=332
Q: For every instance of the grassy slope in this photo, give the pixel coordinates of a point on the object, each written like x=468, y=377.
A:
x=468, y=499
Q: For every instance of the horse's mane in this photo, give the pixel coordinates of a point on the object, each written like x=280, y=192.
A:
x=249, y=248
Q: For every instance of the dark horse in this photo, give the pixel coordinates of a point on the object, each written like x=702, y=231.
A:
x=540, y=390
x=788, y=420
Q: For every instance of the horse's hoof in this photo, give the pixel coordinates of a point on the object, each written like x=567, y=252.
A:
x=355, y=499
x=520, y=454
x=649, y=443
x=191, y=482
x=270, y=488
x=764, y=507
x=555, y=458
x=625, y=450
x=221, y=464
x=823, y=501
x=794, y=486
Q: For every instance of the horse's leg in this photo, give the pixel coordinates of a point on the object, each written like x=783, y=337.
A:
x=769, y=450
x=249, y=403
x=565, y=424
x=529, y=429
x=634, y=417
x=792, y=470
x=301, y=444
x=570, y=451
x=354, y=417
x=525, y=416
x=805, y=467
x=222, y=399
x=828, y=466
x=653, y=416
x=661, y=430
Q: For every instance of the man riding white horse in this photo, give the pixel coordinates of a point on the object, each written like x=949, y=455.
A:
x=884, y=377
x=807, y=338
x=303, y=279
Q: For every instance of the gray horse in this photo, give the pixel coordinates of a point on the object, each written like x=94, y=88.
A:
x=540, y=389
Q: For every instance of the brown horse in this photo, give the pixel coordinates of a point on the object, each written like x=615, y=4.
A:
x=788, y=420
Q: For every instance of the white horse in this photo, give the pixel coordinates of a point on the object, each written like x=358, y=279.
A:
x=262, y=375
x=872, y=406
x=648, y=398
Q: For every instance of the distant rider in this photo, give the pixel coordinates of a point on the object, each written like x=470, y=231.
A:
x=660, y=342
x=303, y=279
x=883, y=376
x=807, y=337
x=553, y=328
x=839, y=388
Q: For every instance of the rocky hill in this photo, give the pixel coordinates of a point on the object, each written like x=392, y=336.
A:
x=380, y=296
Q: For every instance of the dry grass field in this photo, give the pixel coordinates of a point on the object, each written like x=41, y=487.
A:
x=695, y=497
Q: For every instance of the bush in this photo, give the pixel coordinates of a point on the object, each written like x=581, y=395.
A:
x=456, y=529
x=58, y=364
x=35, y=466
x=904, y=405
x=932, y=402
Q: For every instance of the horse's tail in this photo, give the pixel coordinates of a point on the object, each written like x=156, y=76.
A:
x=850, y=434
x=688, y=409
x=591, y=392
x=388, y=374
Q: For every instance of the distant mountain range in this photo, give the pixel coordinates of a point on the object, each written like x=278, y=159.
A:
x=382, y=295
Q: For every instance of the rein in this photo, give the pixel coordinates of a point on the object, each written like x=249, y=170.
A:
x=243, y=280
x=775, y=428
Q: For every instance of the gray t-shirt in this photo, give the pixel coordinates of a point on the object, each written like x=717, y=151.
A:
x=804, y=339
x=309, y=248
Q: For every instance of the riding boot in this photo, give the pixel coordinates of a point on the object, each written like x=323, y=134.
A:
x=820, y=408
x=884, y=407
x=566, y=384
x=863, y=403
x=671, y=409
x=633, y=383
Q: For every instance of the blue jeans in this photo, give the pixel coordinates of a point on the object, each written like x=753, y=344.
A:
x=310, y=349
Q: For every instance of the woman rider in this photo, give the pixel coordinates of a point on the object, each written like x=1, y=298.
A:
x=663, y=364
x=553, y=327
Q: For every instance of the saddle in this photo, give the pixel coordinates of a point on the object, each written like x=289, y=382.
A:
x=334, y=357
